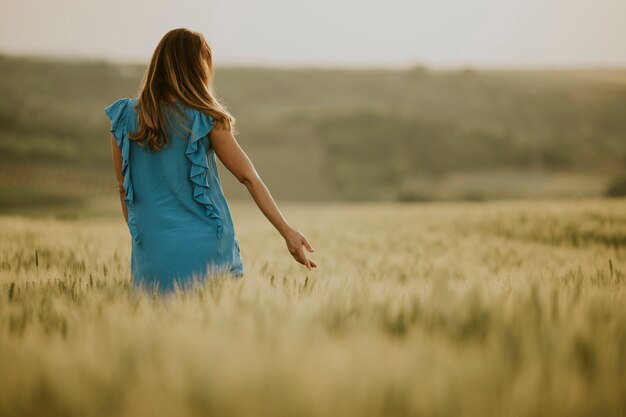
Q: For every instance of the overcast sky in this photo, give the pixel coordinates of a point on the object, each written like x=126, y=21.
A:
x=439, y=33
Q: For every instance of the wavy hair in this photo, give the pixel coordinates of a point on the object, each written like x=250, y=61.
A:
x=181, y=68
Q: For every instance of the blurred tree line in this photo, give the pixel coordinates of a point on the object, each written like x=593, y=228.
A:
x=370, y=134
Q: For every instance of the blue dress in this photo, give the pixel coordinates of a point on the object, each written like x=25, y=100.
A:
x=179, y=221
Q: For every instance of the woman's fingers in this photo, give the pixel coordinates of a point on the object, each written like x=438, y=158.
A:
x=295, y=245
x=307, y=245
x=308, y=262
x=296, y=255
x=304, y=259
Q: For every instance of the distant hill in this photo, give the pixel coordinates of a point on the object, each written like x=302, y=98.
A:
x=334, y=134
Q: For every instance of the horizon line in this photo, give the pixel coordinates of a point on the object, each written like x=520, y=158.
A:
x=79, y=58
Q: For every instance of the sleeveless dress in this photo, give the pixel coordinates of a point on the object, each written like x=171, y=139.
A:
x=179, y=221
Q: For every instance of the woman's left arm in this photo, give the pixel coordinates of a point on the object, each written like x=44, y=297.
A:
x=116, y=156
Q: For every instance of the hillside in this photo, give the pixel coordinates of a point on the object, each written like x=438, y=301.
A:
x=334, y=134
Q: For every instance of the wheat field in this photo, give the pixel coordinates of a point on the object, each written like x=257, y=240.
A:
x=446, y=309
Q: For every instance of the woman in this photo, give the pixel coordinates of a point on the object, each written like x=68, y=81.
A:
x=164, y=145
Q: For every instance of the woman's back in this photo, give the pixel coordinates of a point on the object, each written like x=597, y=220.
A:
x=178, y=217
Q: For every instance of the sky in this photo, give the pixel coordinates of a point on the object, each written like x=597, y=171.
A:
x=329, y=33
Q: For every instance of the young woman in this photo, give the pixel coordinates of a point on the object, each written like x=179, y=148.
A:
x=164, y=145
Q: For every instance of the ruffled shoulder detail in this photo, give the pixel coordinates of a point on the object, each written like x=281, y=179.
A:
x=199, y=173
x=117, y=113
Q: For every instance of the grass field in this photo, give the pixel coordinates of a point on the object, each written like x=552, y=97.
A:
x=465, y=309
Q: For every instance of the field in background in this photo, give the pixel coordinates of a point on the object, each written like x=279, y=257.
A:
x=328, y=135
x=474, y=309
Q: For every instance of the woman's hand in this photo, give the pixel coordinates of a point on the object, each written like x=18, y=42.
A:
x=295, y=241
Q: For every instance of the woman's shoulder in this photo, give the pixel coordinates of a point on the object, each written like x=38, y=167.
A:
x=117, y=112
x=193, y=111
x=118, y=109
x=199, y=122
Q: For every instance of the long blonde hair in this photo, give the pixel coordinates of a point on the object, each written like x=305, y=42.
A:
x=182, y=68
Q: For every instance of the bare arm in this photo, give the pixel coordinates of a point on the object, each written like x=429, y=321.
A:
x=238, y=163
x=116, y=156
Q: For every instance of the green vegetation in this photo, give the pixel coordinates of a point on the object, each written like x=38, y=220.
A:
x=617, y=188
x=351, y=134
